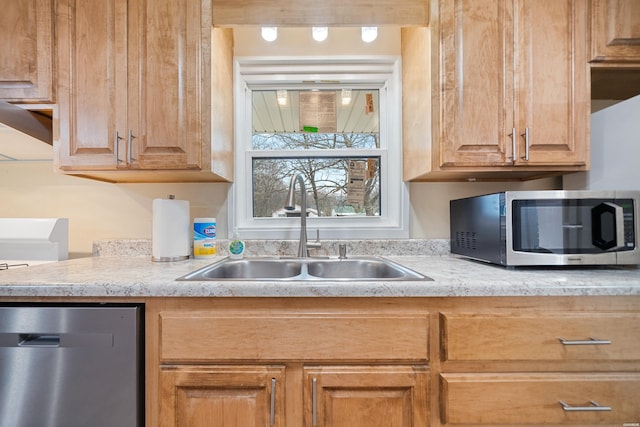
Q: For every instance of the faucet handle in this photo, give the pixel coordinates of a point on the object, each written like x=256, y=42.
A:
x=342, y=251
x=317, y=244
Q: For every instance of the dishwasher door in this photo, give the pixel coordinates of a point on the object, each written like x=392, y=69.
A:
x=70, y=366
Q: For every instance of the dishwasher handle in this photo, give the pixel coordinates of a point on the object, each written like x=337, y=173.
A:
x=38, y=340
x=87, y=340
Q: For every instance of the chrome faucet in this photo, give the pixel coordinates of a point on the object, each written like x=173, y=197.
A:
x=303, y=245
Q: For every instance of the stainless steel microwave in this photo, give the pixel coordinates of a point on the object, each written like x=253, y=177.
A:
x=535, y=228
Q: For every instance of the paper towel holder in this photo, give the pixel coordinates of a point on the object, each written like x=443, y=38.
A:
x=170, y=230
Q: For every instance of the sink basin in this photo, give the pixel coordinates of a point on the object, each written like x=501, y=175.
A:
x=351, y=269
x=360, y=269
x=247, y=269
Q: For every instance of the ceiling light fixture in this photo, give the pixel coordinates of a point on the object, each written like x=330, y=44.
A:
x=319, y=34
x=269, y=33
x=369, y=34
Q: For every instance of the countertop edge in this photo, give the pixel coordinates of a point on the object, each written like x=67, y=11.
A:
x=139, y=277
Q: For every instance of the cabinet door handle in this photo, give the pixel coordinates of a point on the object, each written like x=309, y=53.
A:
x=526, y=143
x=593, y=408
x=116, y=143
x=590, y=341
x=314, y=402
x=272, y=413
x=129, y=146
x=514, y=144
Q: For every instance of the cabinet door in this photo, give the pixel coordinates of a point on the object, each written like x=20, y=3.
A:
x=166, y=84
x=92, y=83
x=476, y=82
x=615, y=30
x=222, y=396
x=552, y=84
x=26, y=73
x=366, y=396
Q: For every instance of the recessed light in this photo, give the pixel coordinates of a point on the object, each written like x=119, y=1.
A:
x=369, y=34
x=319, y=34
x=269, y=33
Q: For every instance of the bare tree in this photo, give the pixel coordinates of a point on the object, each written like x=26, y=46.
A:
x=326, y=177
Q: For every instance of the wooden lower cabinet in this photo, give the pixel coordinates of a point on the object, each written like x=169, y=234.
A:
x=604, y=336
x=222, y=396
x=332, y=396
x=517, y=399
x=372, y=396
x=393, y=362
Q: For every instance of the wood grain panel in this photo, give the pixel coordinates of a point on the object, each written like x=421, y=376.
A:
x=510, y=399
x=552, y=82
x=328, y=12
x=476, y=77
x=203, y=336
x=487, y=337
x=615, y=31
x=92, y=83
x=371, y=396
x=222, y=396
x=26, y=51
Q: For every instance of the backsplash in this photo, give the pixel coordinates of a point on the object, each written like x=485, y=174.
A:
x=408, y=247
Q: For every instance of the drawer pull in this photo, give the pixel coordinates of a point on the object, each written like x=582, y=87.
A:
x=594, y=407
x=590, y=341
x=272, y=414
x=314, y=402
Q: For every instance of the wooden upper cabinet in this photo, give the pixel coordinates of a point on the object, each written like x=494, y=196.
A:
x=509, y=90
x=135, y=91
x=92, y=83
x=26, y=51
x=164, y=101
x=552, y=84
x=615, y=30
x=476, y=72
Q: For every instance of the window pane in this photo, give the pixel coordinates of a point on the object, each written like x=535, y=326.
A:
x=335, y=187
x=314, y=141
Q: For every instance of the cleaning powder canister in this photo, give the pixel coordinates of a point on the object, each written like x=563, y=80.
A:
x=204, y=237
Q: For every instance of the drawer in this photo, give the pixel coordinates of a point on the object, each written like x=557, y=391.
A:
x=493, y=337
x=535, y=399
x=203, y=336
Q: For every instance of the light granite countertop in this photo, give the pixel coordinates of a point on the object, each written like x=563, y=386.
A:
x=138, y=276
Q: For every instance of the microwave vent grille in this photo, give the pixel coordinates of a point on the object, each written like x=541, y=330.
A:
x=466, y=240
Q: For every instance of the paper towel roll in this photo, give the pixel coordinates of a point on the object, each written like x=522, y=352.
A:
x=171, y=234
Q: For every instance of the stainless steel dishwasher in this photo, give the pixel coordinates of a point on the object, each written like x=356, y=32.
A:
x=71, y=366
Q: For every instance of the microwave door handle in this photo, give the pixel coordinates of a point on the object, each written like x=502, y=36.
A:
x=619, y=226
x=598, y=239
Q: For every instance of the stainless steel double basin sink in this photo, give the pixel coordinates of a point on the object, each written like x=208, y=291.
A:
x=304, y=269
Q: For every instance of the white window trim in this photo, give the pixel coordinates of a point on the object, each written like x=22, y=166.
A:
x=289, y=72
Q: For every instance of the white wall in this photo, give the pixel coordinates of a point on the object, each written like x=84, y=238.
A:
x=615, y=150
x=97, y=210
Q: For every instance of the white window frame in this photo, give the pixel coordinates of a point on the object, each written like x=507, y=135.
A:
x=270, y=73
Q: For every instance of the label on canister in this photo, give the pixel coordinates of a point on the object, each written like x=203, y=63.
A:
x=204, y=237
